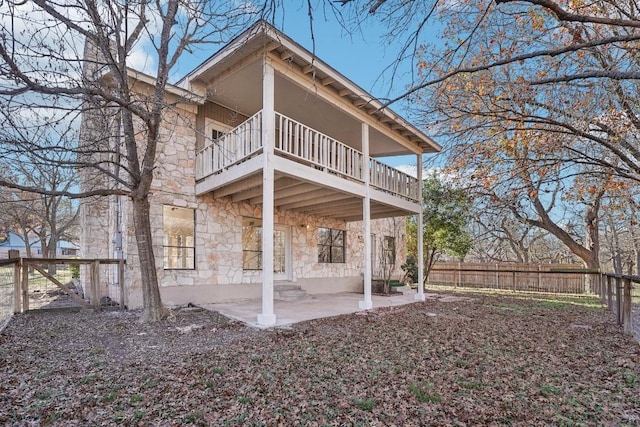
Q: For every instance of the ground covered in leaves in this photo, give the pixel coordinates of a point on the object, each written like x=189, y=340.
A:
x=493, y=360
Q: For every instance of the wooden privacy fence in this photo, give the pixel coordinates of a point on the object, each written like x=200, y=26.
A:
x=93, y=292
x=554, y=278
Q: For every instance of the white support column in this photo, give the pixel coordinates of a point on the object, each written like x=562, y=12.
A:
x=420, y=295
x=367, y=303
x=267, y=317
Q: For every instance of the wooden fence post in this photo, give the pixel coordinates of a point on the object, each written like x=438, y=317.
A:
x=619, y=300
x=16, y=287
x=609, y=293
x=497, y=278
x=514, y=280
x=626, y=307
x=95, y=284
x=25, y=287
x=460, y=273
x=121, y=282
x=539, y=286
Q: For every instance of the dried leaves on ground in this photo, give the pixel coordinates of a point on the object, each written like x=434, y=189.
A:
x=486, y=361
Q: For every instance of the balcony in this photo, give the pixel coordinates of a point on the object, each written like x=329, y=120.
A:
x=303, y=145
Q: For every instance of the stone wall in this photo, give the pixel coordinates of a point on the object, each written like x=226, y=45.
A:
x=218, y=274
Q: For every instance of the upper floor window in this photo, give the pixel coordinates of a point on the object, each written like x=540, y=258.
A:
x=179, y=238
x=331, y=245
x=215, y=130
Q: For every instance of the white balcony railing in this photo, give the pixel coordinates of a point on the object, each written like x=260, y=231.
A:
x=233, y=147
x=309, y=145
x=306, y=145
x=390, y=179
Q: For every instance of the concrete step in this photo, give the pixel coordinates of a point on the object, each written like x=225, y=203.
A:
x=289, y=293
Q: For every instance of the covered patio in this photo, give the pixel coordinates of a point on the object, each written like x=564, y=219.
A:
x=315, y=307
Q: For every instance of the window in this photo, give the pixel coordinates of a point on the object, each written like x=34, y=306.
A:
x=331, y=245
x=389, y=250
x=251, y=244
x=215, y=130
x=179, y=242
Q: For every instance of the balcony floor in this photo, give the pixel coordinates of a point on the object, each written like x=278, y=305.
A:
x=304, y=189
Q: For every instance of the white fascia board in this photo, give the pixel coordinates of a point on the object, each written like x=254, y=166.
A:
x=171, y=89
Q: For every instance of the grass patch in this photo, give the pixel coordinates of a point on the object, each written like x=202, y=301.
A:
x=135, y=399
x=470, y=385
x=110, y=397
x=548, y=390
x=425, y=393
x=193, y=417
x=365, y=404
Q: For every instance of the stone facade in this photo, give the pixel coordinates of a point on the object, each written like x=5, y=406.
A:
x=218, y=274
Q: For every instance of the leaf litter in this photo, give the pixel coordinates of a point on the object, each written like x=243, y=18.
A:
x=490, y=361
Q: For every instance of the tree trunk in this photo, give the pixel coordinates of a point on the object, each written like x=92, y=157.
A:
x=153, y=310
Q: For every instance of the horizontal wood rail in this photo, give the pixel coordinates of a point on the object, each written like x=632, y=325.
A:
x=21, y=279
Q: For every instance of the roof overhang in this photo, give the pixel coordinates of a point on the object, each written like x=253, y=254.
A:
x=262, y=38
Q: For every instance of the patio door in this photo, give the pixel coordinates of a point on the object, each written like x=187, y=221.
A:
x=281, y=253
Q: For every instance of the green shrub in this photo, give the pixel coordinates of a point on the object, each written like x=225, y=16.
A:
x=410, y=268
x=75, y=271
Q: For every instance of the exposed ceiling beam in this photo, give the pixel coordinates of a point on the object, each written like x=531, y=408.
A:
x=238, y=186
x=309, y=195
x=335, y=197
x=346, y=205
x=281, y=183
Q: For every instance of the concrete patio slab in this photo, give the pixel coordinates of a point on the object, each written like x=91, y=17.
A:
x=315, y=307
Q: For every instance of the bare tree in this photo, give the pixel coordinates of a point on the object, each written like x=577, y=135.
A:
x=46, y=76
x=50, y=218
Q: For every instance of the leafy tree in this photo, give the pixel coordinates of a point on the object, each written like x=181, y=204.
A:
x=445, y=218
x=47, y=81
x=508, y=80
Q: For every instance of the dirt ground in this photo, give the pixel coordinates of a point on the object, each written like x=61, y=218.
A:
x=492, y=360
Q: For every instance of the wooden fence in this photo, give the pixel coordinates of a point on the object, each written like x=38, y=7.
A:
x=552, y=278
x=94, y=293
x=620, y=293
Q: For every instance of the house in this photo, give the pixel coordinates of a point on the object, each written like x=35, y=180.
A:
x=270, y=181
x=13, y=241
